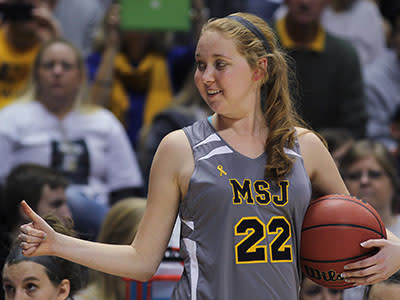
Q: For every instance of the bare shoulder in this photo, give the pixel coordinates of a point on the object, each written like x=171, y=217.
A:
x=176, y=142
x=174, y=157
x=308, y=140
x=319, y=164
x=312, y=149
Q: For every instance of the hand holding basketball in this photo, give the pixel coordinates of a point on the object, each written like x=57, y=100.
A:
x=333, y=228
x=36, y=237
x=377, y=267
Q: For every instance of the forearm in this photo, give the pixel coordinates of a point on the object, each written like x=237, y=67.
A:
x=102, y=85
x=119, y=260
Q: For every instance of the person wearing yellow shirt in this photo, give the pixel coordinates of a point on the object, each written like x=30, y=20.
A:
x=20, y=36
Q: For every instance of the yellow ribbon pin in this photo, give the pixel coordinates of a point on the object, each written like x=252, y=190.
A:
x=221, y=170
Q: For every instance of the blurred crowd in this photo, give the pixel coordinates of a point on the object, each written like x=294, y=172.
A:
x=84, y=104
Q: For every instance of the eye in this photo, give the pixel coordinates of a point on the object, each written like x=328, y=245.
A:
x=67, y=66
x=200, y=66
x=48, y=65
x=31, y=287
x=313, y=290
x=219, y=64
x=9, y=290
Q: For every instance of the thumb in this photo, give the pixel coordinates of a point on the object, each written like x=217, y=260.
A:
x=28, y=211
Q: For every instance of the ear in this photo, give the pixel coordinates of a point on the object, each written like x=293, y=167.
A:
x=261, y=69
x=63, y=289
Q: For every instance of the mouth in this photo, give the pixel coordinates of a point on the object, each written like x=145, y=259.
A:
x=213, y=92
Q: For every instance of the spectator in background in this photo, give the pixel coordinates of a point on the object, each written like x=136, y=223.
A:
x=370, y=173
x=313, y=291
x=359, y=22
x=119, y=227
x=59, y=128
x=43, y=277
x=327, y=68
x=382, y=81
x=21, y=34
x=130, y=74
x=40, y=186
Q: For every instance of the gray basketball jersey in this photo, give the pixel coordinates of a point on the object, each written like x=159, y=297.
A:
x=240, y=234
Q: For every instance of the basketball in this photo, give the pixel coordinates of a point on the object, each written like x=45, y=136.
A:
x=333, y=228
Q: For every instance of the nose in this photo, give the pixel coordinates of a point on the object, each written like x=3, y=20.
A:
x=57, y=68
x=364, y=179
x=20, y=295
x=208, y=76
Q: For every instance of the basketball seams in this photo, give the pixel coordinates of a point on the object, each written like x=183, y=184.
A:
x=369, y=253
x=355, y=201
x=344, y=225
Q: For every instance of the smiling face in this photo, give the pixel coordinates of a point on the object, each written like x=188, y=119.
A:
x=28, y=280
x=223, y=76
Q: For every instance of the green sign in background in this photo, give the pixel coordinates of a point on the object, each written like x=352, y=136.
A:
x=155, y=14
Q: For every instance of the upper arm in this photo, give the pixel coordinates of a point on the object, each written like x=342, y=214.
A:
x=320, y=166
x=167, y=176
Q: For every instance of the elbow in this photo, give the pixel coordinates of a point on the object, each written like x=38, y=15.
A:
x=144, y=273
x=145, y=276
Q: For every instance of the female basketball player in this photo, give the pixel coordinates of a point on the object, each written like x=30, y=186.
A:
x=241, y=182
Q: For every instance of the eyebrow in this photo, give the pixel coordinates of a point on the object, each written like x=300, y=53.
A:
x=31, y=278
x=216, y=56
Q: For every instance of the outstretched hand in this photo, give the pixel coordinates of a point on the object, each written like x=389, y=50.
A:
x=377, y=267
x=37, y=237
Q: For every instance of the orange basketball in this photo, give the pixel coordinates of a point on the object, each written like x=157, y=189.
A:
x=333, y=228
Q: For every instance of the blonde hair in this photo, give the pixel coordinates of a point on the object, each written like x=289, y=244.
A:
x=278, y=110
x=119, y=227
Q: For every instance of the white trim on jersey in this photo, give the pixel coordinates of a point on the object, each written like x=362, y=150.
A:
x=211, y=138
x=291, y=152
x=189, y=224
x=194, y=266
x=217, y=151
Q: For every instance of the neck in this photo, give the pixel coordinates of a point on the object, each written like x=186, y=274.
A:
x=60, y=107
x=302, y=34
x=247, y=126
x=18, y=41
